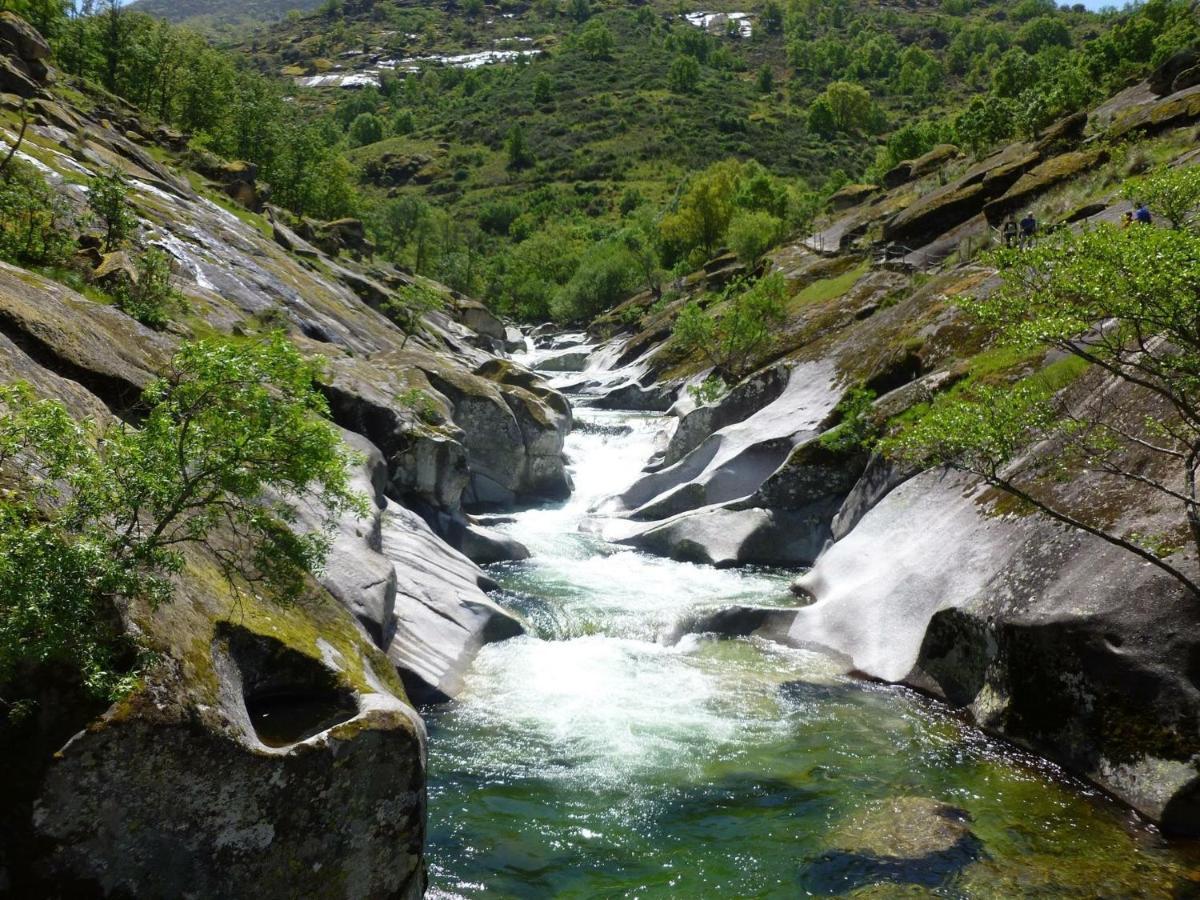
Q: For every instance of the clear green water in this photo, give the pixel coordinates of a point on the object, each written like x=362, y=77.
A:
x=595, y=760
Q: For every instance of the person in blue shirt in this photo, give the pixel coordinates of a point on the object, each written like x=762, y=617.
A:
x=1028, y=229
x=1141, y=214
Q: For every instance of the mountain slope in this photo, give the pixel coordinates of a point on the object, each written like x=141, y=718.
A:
x=224, y=18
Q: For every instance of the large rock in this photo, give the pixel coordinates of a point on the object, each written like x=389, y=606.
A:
x=851, y=195
x=1052, y=638
x=724, y=537
x=1162, y=79
x=745, y=399
x=734, y=461
x=15, y=78
x=301, y=763
x=494, y=436
x=1040, y=179
x=481, y=320
x=1149, y=118
x=935, y=213
x=101, y=348
x=443, y=616
x=567, y=361
x=19, y=38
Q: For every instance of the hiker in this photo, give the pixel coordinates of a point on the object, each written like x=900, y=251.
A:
x=1142, y=215
x=1009, y=232
x=1028, y=229
x=1127, y=219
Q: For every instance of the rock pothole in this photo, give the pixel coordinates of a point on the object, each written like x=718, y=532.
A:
x=288, y=697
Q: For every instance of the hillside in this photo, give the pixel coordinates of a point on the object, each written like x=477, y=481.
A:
x=222, y=19
x=613, y=109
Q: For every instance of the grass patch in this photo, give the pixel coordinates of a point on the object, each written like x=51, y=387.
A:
x=828, y=288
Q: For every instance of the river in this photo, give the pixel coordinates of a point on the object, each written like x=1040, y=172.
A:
x=595, y=757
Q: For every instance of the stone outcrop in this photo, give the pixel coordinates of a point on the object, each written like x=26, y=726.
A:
x=1041, y=178
x=267, y=740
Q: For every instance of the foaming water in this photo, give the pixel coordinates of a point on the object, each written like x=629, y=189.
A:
x=592, y=758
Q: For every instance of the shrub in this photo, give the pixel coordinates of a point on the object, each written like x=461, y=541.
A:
x=753, y=233
x=367, y=128
x=497, y=217
x=1172, y=192
x=733, y=338
x=606, y=275
x=684, y=74
x=108, y=198
x=152, y=298
x=595, y=41
x=34, y=220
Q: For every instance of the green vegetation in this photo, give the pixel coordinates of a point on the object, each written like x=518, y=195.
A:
x=176, y=75
x=408, y=306
x=94, y=517
x=108, y=198
x=1173, y=193
x=1125, y=301
x=624, y=115
x=738, y=332
x=152, y=297
x=33, y=218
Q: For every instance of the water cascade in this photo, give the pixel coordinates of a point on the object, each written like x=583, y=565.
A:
x=599, y=756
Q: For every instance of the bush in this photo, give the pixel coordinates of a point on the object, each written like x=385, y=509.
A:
x=108, y=198
x=1172, y=192
x=367, y=128
x=684, y=74
x=34, y=220
x=152, y=298
x=733, y=338
x=595, y=41
x=404, y=122
x=606, y=275
x=497, y=217
x=751, y=234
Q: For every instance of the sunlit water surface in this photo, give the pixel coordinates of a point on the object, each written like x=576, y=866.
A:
x=595, y=759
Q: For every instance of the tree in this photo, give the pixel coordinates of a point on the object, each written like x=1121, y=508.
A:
x=152, y=297
x=409, y=306
x=34, y=219
x=983, y=123
x=543, y=88
x=765, y=81
x=108, y=198
x=1016, y=72
x=1124, y=301
x=595, y=41
x=753, y=233
x=684, y=74
x=1044, y=31
x=367, y=128
x=703, y=211
x=96, y=518
x=579, y=10
x=820, y=118
x=733, y=338
x=850, y=105
x=1172, y=192
x=605, y=276
x=515, y=148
